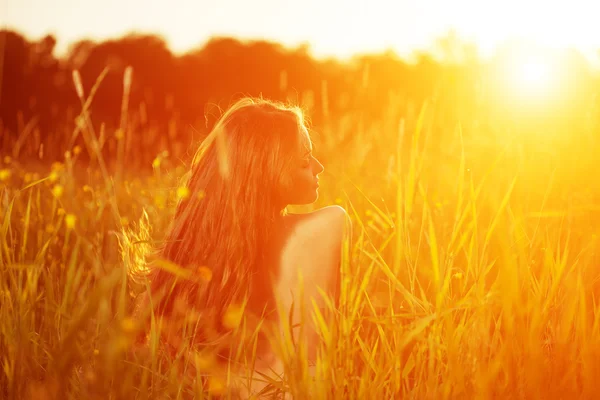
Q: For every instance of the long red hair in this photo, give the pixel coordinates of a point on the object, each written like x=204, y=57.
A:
x=235, y=198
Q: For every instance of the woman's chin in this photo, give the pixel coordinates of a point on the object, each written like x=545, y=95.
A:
x=308, y=199
x=306, y=196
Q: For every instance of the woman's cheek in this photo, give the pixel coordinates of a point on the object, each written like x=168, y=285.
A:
x=286, y=180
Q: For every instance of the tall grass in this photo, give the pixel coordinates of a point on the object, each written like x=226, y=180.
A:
x=471, y=273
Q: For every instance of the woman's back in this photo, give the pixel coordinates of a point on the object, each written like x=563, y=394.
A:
x=309, y=256
x=306, y=250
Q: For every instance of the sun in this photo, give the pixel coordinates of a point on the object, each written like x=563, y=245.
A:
x=532, y=75
x=529, y=76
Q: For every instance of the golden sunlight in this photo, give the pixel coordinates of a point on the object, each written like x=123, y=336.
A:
x=532, y=75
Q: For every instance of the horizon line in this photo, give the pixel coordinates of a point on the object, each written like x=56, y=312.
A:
x=63, y=46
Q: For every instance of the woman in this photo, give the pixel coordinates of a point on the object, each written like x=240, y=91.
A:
x=235, y=239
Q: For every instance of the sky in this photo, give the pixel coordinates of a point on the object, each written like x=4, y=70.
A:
x=331, y=27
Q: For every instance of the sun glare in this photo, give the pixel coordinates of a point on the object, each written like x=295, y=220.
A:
x=532, y=75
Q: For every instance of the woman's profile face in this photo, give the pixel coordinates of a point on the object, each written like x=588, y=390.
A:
x=304, y=181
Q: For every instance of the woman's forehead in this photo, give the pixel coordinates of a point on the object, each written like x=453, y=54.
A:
x=305, y=142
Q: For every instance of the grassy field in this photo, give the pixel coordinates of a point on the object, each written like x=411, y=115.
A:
x=472, y=271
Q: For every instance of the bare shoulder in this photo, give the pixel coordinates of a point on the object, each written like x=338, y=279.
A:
x=312, y=248
x=329, y=220
x=334, y=212
x=317, y=235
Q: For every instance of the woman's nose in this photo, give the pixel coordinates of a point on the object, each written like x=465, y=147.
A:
x=319, y=167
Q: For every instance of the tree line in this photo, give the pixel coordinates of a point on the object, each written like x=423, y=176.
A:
x=38, y=93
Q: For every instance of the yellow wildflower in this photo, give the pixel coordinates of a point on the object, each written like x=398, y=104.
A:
x=183, y=193
x=53, y=177
x=57, y=191
x=70, y=221
x=4, y=174
x=233, y=316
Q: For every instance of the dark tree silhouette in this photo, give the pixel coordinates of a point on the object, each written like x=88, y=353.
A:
x=169, y=93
